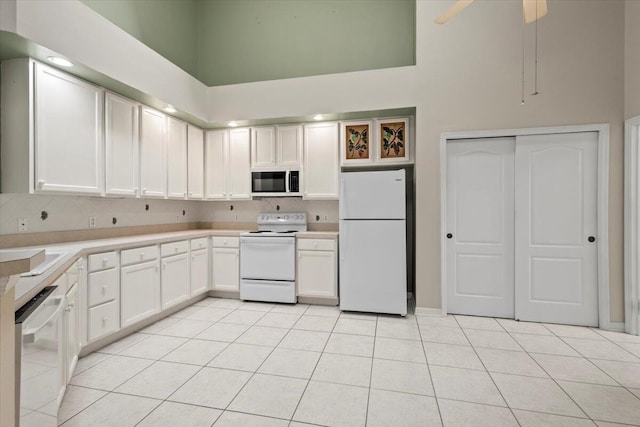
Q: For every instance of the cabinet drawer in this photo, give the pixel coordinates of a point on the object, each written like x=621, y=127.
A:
x=103, y=261
x=202, y=243
x=317, y=244
x=103, y=320
x=174, y=248
x=134, y=256
x=226, y=242
x=103, y=286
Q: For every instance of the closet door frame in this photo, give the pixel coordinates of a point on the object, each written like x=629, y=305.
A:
x=632, y=225
x=602, y=203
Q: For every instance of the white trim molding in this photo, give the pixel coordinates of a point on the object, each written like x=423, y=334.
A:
x=632, y=225
x=602, y=198
x=427, y=311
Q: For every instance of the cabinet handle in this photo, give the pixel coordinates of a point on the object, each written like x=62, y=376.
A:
x=104, y=321
x=41, y=184
x=141, y=255
x=164, y=266
x=104, y=289
x=144, y=191
x=104, y=262
x=175, y=249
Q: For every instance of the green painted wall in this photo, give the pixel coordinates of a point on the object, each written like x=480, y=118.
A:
x=255, y=40
x=236, y=41
x=167, y=26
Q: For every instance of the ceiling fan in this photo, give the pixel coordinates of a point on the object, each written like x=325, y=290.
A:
x=532, y=10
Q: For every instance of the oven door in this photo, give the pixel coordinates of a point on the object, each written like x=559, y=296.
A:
x=268, y=258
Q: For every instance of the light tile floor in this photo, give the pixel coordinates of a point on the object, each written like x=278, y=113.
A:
x=228, y=363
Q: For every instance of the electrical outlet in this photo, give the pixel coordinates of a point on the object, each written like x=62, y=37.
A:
x=23, y=226
x=92, y=222
x=235, y=218
x=177, y=218
x=326, y=218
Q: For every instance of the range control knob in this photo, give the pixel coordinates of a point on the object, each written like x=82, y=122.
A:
x=286, y=217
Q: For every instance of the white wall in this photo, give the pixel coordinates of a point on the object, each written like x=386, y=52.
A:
x=467, y=77
x=632, y=58
x=74, y=30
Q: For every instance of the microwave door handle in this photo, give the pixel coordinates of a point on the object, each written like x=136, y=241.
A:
x=287, y=182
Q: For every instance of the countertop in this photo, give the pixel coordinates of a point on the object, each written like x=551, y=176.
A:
x=28, y=287
x=14, y=262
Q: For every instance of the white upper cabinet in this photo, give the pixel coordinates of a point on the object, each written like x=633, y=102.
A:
x=289, y=146
x=216, y=153
x=239, y=164
x=195, y=167
x=121, y=139
x=228, y=165
x=321, y=161
x=177, y=158
x=153, y=153
x=263, y=147
x=276, y=147
x=68, y=129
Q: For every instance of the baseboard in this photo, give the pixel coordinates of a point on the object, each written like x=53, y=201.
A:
x=616, y=326
x=428, y=311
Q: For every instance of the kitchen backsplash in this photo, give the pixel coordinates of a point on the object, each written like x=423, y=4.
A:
x=64, y=213
x=247, y=211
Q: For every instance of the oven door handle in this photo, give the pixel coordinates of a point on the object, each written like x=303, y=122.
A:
x=31, y=335
x=287, y=181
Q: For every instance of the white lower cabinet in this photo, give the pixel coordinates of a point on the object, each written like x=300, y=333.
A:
x=317, y=268
x=102, y=295
x=175, y=280
x=225, y=259
x=139, y=292
x=199, y=271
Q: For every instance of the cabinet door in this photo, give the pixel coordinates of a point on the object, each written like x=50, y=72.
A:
x=175, y=280
x=139, y=292
x=317, y=273
x=263, y=147
x=226, y=269
x=177, y=158
x=72, y=325
x=289, y=146
x=68, y=133
x=199, y=271
x=321, y=161
x=121, y=139
x=215, y=165
x=239, y=164
x=195, y=166
x=153, y=153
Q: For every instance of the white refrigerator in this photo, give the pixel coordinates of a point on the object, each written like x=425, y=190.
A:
x=373, y=259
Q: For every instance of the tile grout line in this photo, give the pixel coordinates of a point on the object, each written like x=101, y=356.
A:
x=485, y=367
x=435, y=394
x=373, y=355
x=554, y=380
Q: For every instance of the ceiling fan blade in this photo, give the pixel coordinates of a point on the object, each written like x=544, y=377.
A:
x=453, y=10
x=533, y=10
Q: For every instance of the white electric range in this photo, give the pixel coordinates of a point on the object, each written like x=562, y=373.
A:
x=268, y=258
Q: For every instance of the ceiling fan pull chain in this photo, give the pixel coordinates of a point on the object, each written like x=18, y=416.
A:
x=535, y=90
x=522, y=93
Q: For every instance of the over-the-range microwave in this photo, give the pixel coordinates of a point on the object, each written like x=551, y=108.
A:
x=282, y=183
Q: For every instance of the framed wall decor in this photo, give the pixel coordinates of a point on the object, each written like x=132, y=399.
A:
x=392, y=140
x=356, y=142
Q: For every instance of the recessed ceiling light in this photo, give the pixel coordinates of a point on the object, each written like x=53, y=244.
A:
x=170, y=109
x=233, y=124
x=60, y=61
x=318, y=117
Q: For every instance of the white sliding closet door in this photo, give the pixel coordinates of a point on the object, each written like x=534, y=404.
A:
x=555, y=228
x=480, y=234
